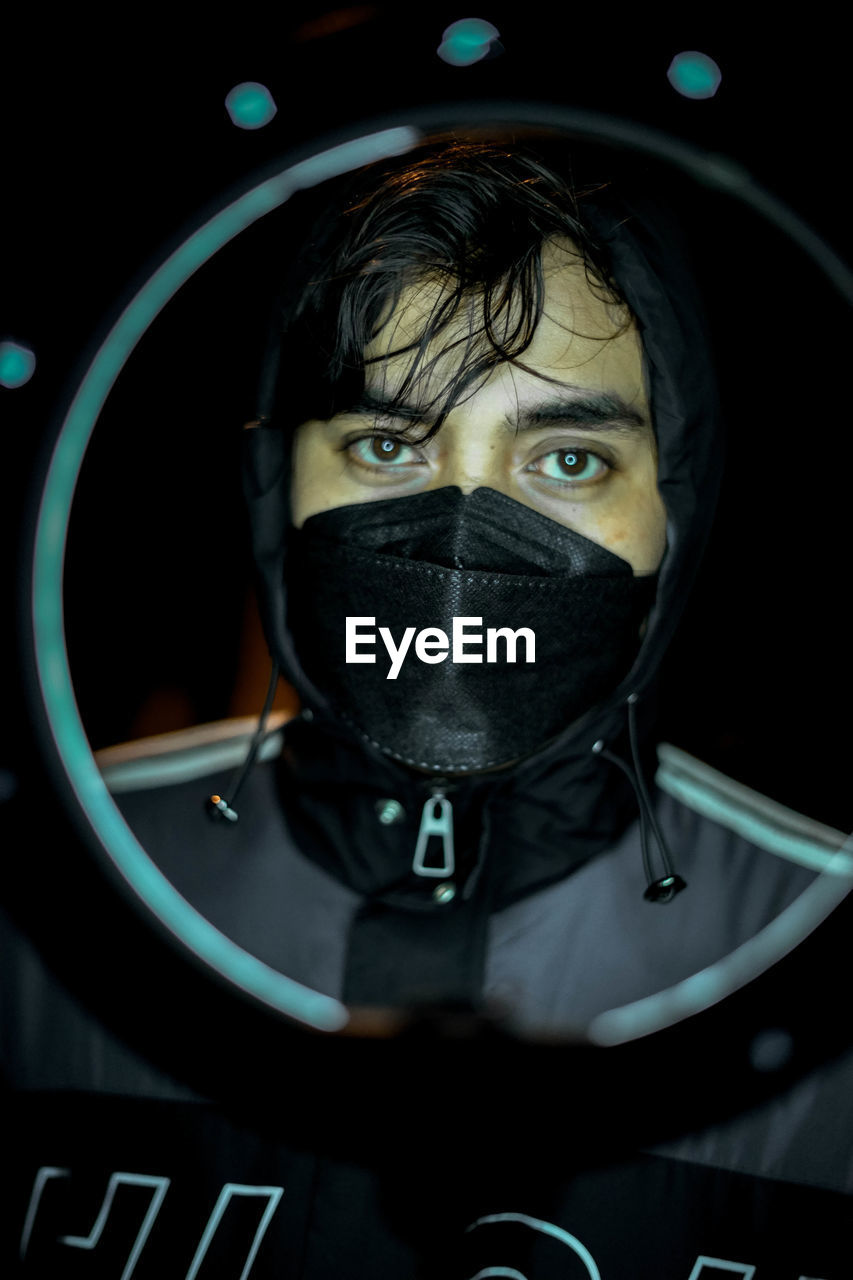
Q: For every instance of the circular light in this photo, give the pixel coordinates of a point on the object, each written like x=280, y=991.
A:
x=250, y=105
x=55, y=692
x=694, y=75
x=467, y=41
x=17, y=364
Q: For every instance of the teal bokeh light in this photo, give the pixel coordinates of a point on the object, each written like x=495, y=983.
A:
x=17, y=364
x=694, y=75
x=467, y=41
x=250, y=105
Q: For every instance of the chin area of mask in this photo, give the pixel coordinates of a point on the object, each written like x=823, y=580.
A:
x=459, y=632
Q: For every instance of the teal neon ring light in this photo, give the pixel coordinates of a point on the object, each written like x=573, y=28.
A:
x=372, y=142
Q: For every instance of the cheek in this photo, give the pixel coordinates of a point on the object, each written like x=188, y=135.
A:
x=636, y=530
x=306, y=470
x=298, y=512
x=318, y=480
x=646, y=544
x=643, y=535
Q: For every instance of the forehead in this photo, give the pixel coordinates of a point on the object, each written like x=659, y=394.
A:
x=581, y=338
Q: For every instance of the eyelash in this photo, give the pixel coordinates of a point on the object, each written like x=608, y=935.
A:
x=570, y=482
x=349, y=447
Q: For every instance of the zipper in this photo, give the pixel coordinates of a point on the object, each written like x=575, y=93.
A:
x=436, y=824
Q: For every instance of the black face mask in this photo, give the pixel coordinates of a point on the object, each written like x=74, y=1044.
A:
x=416, y=563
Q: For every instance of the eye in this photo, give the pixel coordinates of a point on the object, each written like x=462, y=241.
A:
x=382, y=451
x=570, y=466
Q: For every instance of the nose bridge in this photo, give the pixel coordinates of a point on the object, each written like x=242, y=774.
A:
x=472, y=455
x=468, y=470
x=468, y=480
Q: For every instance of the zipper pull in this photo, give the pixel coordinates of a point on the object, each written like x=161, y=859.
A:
x=436, y=820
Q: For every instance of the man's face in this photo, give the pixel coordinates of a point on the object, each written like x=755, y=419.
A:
x=581, y=452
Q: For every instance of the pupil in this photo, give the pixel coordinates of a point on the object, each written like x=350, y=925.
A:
x=387, y=446
x=571, y=461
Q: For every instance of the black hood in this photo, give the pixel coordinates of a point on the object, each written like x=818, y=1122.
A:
x=562, y=804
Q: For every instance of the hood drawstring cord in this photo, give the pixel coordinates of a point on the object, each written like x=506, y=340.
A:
x=220, y=808
x=670, y=883
x=662, y=889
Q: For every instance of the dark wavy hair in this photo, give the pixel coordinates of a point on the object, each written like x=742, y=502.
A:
x=470, y=216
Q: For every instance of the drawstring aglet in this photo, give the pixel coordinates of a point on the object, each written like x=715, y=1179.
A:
x=219, y=808
x=665, y=889
x=670, y=883
x=216, y=807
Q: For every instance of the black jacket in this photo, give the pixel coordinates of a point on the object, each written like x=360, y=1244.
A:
x=105, y=1135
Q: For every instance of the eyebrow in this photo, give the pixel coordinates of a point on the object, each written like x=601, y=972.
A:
x=595, y=410
x=583, y=409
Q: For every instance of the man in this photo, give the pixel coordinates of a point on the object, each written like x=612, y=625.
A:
x=480, y=482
